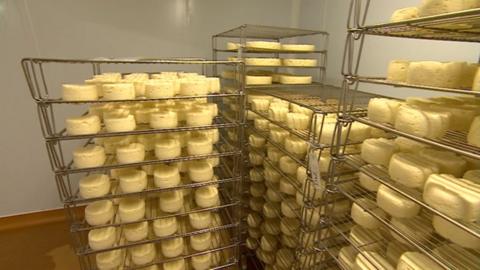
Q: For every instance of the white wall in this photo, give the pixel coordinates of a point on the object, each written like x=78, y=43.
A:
x=379, y=51
x=91, y=28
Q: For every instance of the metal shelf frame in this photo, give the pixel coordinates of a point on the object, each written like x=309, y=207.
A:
x=247, y=32
x=229, y=174
x=431, y=28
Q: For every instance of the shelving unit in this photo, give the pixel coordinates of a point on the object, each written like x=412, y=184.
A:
x=52, y=110
x=459, y=26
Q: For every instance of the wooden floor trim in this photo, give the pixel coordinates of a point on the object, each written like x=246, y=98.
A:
x=34, y=219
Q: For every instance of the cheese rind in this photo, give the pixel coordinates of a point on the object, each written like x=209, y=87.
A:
x=416, y=260
x=262, y=61
x=298, y=47
x=171, y=201
x=102, y=238
x=133, y=181
x=165, y=226
x=88, y=124
x=99, y=212
x=299, y=62
x=295, y=79
x=436, y=74
x=378, y=151
x=473, y=136
x=131, y=209
x=371, y=260
x=363, y=218
x=457, y=198
x=447, y=162
x=404, y=14
x=397, y=70
x=383, y=110
x=94, y=185
x=435, y=7
x=410, y=170
x=422, y=122
x=132, y=153
x=172, y=247
x=89, y=156
x=136, y=231
x=79, y=92
x=395, y=204
x=118, y=91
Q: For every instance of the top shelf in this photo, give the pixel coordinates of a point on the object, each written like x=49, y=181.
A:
x=456, y=26
x=267, y=32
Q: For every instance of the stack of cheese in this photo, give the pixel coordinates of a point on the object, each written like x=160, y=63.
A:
x=430, y=118
x=456, y=75
x=434, y=7
x=111, y=86
x=261, y=77
x=168, y=249
x=271, y=46
x=437, y=174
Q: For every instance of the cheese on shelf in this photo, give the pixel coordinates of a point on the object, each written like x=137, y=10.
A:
x=404, y=14
x=383, y=110
x=410, y=169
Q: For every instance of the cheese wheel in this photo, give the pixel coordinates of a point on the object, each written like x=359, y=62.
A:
x=416, y=260
x=99, y=212
x=165, y=226
x=404, y=14
x=378, y=151
x=102, y=238
x=363, y=218
x=166, y=176
x=89, y=156
x=159, y=89
x=119, y=122
x=299, y=62
x=94, y=185
x=163, y=119
x=110, y=259
x=131, y=209
x=202, y=262
x=118, y=91
x=457, y=198
x=382, y=110
x=201, y=241
x=298, y=47
x=133, y=181
x=262, y=61
x=263, y=45
x=79, y=92
x=411, y=170
x=395, y=204
x=88, y=124
x=132, y=153
x=171, y=201
x=207, y=196
x=295, y=79
x=200, y=220
x=136, y=231
x=397, y=71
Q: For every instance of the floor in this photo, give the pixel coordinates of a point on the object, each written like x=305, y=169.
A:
x=42, y=247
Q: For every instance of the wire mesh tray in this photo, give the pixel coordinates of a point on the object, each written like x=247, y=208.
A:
x=218, y=122
x=456, y=26
x=227, y=202
x=222, y=174
x=384, y=81
x=380, y=174
x=452, y=141
x=425, y=244
x=223, y=149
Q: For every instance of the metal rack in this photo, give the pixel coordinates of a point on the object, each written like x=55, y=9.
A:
x=451, y=27
x=44, y=88
x=247, y=32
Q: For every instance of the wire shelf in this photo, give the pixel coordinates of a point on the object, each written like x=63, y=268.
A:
x=223, y=243
x=384, y=81
x=425, y=244
x=228, y=201
x=223, y=149
x=452, y=141
x=223, y=174
x=267, y=32
x=219, y=122
x=265, y=51
x=456, y=26
x=380, y=174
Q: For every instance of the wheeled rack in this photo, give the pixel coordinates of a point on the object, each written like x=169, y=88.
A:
x=458, y=26
x=44, y=78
